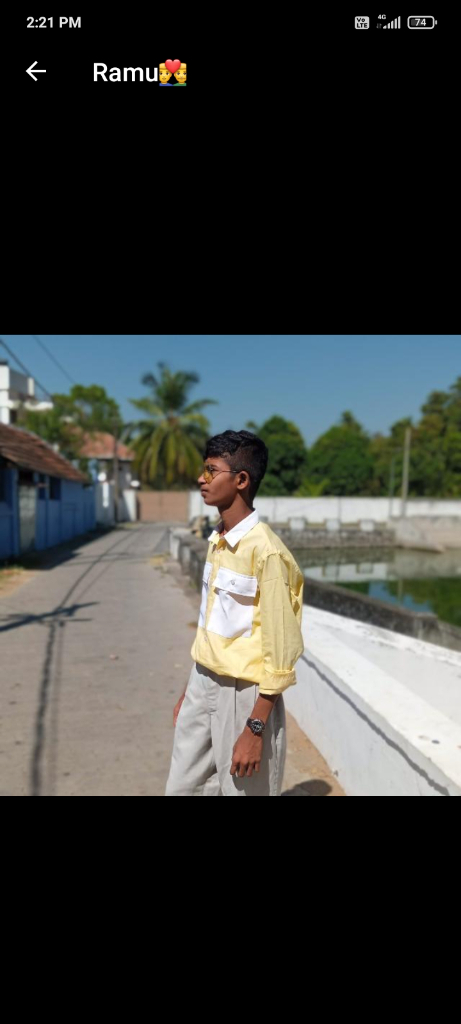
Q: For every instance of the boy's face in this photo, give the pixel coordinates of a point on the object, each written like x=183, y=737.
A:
x=180, y=75
x=164, y=75
x=222, y=489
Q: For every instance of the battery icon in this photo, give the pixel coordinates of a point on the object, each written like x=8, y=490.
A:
x=421, y=22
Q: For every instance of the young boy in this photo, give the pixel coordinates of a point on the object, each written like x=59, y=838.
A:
x=230, y=737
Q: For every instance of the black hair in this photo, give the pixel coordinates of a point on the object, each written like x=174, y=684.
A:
x=242, y=450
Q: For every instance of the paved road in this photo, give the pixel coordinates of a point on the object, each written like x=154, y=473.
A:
x=94, y=652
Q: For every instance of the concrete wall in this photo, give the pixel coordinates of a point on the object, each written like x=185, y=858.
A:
x=164, y=506
x=382, y=708
x=352, y=605
x=346, y=510
x=428, y=531
x=128, y=507
x=363, y=712
x=341, y=536
x=27, y=514
x=105, y=505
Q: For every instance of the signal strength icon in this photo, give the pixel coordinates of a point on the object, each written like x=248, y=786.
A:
x=393, y=24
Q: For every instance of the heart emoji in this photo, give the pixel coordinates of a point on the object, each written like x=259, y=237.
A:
x=172, y=65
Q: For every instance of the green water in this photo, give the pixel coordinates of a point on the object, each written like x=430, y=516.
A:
x=418, y=580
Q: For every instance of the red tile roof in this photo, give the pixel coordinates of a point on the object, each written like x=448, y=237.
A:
x=101, y=446
x=28, y=451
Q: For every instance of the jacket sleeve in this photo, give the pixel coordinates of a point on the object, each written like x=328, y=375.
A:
x=281, y=606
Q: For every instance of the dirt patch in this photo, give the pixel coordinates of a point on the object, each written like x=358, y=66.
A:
x=12, y=579
x=306, y=771
x=157, y=561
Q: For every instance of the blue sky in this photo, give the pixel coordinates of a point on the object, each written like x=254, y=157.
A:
x=309, y=378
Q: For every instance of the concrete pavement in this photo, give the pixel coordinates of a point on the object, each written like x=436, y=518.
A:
x=94, y=652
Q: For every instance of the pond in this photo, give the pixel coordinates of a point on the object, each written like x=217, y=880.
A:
x=421, y=581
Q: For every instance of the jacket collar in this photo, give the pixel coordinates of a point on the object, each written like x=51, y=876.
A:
x=237, y=531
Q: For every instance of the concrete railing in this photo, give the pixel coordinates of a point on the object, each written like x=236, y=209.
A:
x=362, y=709
x=352, y=605
x=381, y=706
x=334, y=535
x=345, y=510
x=435, y=532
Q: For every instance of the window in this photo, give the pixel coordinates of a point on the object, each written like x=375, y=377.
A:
x=26, y=478
x=55, y=488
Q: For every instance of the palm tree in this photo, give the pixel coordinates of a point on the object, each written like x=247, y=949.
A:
x=310, y=489
x=171, y=439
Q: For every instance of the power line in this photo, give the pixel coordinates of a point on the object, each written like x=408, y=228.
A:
x=42, y=343
x=29, y=374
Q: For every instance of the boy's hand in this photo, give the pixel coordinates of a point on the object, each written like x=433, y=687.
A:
x=246, y=755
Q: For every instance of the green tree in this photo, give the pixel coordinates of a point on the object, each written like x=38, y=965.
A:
x=435, y=451
x=383, y=452
x=94, y=409
x=348, y=420
x=83, y=410
x=342, y=457
x=287, y=456
x=436, y=447
x=170, y=439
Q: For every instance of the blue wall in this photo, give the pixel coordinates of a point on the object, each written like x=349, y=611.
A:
x=56, y=520
x=61, y=519
x=9, y=518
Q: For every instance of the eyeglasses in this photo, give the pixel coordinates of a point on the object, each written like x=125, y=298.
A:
x=208, y=472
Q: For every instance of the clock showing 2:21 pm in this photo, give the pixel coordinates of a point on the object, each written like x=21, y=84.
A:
x=49, y=22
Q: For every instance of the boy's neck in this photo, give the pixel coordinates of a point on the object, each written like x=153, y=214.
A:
x=229, y=519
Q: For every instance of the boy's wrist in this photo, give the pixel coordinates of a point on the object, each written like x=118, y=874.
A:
x=263, y=706
x=259, y=726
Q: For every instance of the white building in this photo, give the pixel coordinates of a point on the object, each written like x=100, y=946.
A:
x=17, y=389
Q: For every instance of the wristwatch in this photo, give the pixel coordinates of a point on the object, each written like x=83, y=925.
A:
x=256, y=725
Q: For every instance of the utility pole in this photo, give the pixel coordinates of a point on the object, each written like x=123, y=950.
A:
x=391, y=486
x=406, y=463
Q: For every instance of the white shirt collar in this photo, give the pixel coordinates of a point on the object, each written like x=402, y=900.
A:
x=239, y=530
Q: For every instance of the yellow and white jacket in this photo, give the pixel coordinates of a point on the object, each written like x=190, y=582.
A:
x=249, y=625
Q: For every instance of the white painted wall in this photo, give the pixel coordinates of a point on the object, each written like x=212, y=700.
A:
x=128, y=507
x=347, y=510
x=105, y=506
x=383, y=709
x=13, y=386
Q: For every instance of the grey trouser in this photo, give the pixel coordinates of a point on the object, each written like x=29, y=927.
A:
x=213, y=715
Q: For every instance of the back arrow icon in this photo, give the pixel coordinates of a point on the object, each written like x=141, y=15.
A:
x=29, y=71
